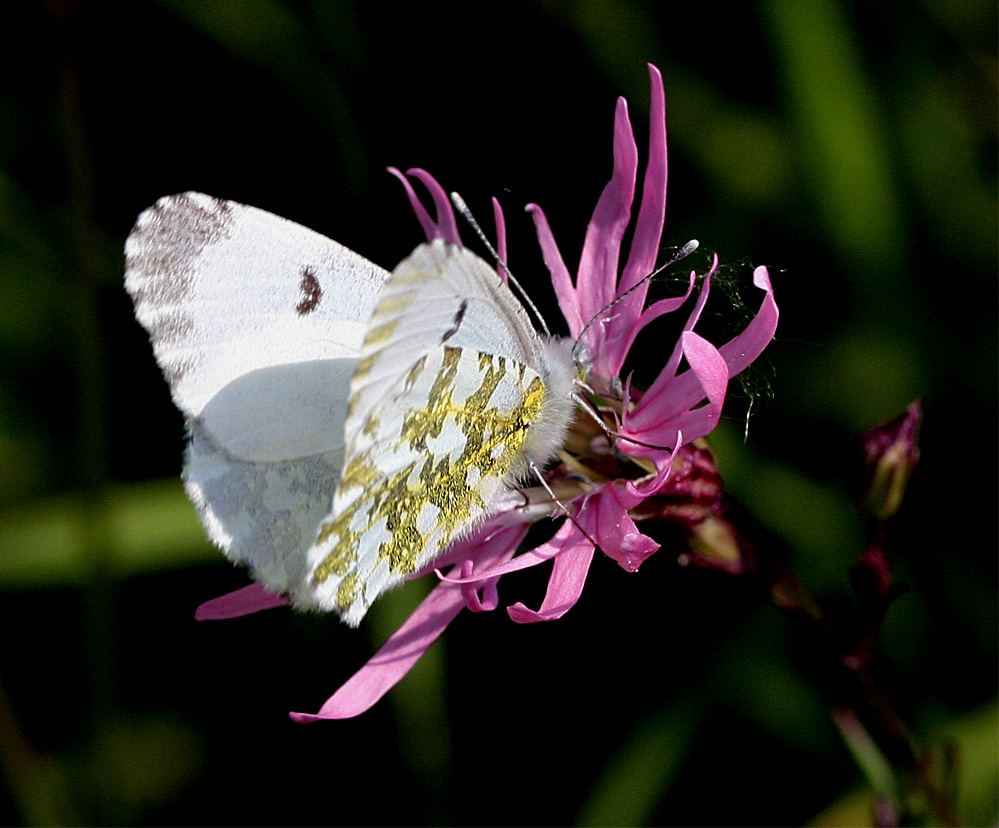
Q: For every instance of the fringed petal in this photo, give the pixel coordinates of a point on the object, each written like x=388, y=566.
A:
x=500, y=220
x=645, y=243
x=395, y=658
x=749, y=344
x=624, y=337
x=656, y=421
x=445, y=226
x=652, y=485
x=685, y=390
x=652, y=212
x=663, y=306
x=666, y=389
x=572, y=563
x=565, y=292
x=243, y=601
x=596, y=280
x=609, y=523
x=405, y=647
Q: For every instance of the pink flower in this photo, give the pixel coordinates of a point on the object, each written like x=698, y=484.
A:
x=603, y=487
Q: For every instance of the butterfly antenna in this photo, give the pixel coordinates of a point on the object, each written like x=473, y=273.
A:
x=462, y=207
x=555, y=498
x=682, y=253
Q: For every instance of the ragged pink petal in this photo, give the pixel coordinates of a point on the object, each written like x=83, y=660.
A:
x=565, y=291
x=748, y=345
x=664, y=390
x=597, y=285
x=685, y=390
x=620, y=338
x=407, y=645
x=243, y=601
x=492, y=550
x=652, y=211
x=395, y=658
x=596, y=280
x=480, y=596
x=655, y=483
x=533, y=557
x=657, y=309
x=645, y=243
x=500, y=221
x=496, y=540
x=710, y=369
x=445, y=226
x=567, y=578
x=655, y=420
x=607, y=521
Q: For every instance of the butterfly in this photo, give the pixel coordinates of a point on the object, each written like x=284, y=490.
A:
x=345, y=424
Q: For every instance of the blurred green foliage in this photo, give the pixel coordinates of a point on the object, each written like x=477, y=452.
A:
x=851, y=146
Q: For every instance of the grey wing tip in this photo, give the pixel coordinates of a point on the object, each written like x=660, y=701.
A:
x=183, y=206
x=188, y=221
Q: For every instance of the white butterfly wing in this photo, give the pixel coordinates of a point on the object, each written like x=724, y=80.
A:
x=225, y=289
x=448, y=387
x=262, y=515
x=257, y=324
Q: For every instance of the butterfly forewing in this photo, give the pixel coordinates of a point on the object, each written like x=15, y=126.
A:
x=225, y=289
x=439, y=411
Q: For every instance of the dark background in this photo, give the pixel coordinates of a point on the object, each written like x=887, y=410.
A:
x=850, y=146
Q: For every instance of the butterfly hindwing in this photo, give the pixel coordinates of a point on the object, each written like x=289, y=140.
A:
x=262, y=515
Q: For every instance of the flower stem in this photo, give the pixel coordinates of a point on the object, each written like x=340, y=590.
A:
x=874, y=732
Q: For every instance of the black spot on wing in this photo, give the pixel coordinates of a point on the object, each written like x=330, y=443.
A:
x=312, y=293
x=458, y=316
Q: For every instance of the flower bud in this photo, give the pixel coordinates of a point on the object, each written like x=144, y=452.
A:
x=693, y=491
x=890, y=453
x=694, y=498
x=715, y=543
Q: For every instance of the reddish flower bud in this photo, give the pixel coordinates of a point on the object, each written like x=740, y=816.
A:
x=693, y=491
x=890, y=452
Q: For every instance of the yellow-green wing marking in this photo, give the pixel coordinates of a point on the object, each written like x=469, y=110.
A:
x=424, y=471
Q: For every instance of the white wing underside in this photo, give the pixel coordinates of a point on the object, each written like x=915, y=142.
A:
x=257, y=324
